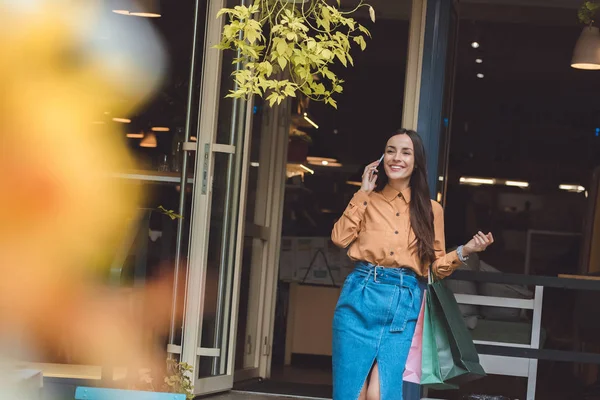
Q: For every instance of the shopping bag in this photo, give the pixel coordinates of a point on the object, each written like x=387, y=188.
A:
x=435, y=347
x=412, y=372
x=458, y=358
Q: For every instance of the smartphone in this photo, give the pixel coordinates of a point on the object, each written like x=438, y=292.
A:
x=380, y=160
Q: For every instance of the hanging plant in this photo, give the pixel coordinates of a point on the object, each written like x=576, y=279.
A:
x=587, y=12
x=289, y=46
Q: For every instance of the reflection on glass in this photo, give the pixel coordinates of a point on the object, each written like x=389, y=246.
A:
x=153, y=134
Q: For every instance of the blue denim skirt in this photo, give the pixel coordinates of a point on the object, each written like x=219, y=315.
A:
x=374, y=321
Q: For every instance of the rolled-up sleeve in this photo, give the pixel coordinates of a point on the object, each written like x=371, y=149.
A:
x=445, y=263
x=346, y=229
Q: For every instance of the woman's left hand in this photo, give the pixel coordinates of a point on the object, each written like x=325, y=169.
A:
x=479, y=243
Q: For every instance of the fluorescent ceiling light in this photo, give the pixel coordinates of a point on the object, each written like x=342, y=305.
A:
x=354, y=183
x=480, y=76
x=135, y=135
x=475, y=45
x=307, y=169
x=138, y=8
x=310, y=121
x=517, y=184
x=254, y=164
x=572, y=188
x=122, y=120
x=476, y=181
x=478, y=60
x=160, y=129
x=441, y=179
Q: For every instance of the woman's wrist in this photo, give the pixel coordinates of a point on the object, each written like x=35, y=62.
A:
x=463, y=253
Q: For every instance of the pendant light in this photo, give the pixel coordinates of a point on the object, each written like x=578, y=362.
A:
x=137, y=8
x=587, y=50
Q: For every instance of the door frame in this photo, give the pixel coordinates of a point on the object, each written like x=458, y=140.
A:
x=207, y=147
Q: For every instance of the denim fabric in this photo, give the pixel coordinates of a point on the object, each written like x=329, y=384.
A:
x=374, y=320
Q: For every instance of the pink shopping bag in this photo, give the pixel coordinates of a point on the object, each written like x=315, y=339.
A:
x=412, y=373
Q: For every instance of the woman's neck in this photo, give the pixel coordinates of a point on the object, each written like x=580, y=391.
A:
x=399, y=184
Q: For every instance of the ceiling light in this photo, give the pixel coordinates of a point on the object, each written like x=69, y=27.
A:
x=478, y=60
x=354, y=183
x=135, y=135
x=476, y=181
x=441, y=179
x=586, y=54
x=160, y=129
x=310, y=121
x=149, y=140
x=439, y=197
x=307, y=169
x=122, y=120
x=517, y=184
x=572, y=188
x=137, y=8
x=333, y=164
x=480, y=75
x=254, y=164
x=320, y=160
x=475, y=45
x=193, y=138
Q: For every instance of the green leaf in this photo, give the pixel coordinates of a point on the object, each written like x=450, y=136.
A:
x=342, y=57
x=326, y=54
x=361, y=42
x=272, y=98
x=289, y=90
x=282, y=47
x=331, y=102
x=329, y=74
x=282, y=62
x=224, y=11
x=364, y=30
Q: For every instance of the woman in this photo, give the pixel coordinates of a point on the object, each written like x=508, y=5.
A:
x=395, y=233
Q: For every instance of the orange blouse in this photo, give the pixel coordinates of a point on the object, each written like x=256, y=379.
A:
x=377, y=228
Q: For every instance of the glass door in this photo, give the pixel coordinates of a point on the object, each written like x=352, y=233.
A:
x=265, y=187
x=212, y=284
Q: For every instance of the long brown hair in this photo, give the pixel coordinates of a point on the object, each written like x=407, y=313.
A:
x=421, y=213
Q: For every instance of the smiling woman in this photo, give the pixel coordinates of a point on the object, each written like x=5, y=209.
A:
x=396, y=235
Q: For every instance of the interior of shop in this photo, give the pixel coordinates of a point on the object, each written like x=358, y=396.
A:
x=522, y=161
x=520, y=158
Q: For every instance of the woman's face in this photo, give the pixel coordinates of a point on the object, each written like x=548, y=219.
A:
x=399, y=159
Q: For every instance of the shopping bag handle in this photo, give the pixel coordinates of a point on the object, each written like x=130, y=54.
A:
x=431, y=276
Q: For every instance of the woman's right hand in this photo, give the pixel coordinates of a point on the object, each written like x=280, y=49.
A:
x=369, y=178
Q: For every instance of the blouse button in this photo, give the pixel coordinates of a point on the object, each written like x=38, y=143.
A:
x=391, y=253
x=396, y=232
x=365, y=203
x=397, y=214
